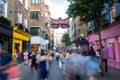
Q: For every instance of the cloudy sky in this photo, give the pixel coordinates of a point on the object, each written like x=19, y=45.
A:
x=57, y=8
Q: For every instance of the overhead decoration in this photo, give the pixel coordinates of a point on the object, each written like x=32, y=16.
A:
x=63, y=23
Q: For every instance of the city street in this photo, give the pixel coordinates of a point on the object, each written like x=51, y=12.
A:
x=82, y=35
x=56, y=73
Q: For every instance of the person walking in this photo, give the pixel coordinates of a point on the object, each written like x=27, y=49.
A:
x=33, y=59
x=105, y=56
x=42, y=72
x=63, y=61
x=5, y=59
x=91, y=65
x=26, y=57
x=57, y=56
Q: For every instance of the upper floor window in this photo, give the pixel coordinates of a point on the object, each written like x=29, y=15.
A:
x=35, y=1
x=26, y=22
x=2, y=6
x=26, y=4
x=35, y=15
x=46, y=37
x=19, y=17
x=35, y=31
x=46, y=14
x=117, y=8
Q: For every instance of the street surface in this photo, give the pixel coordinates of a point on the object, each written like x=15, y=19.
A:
x=56, y=73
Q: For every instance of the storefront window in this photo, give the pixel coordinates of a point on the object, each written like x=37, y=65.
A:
x=16, y=50
x=111, y=51
x=4, y=42
x=110, y=47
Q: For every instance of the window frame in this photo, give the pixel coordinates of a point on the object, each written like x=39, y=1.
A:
x=35, y=15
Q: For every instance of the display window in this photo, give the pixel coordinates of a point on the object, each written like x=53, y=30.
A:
x=111, y=51
x=110, y=48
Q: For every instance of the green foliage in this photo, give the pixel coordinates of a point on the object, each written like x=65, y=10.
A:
x=90, y=11
x=27, y=30
x=66, y=39
x=5, y=21
x=117, y=18
x=20, y=26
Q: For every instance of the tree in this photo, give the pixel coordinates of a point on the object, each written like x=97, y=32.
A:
x=93, y=11
x=65, y=39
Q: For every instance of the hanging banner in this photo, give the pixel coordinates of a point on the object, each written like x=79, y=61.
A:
x=63, y=23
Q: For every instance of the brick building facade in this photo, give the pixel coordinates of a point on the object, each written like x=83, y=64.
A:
x=18, y=12
x=39, y=23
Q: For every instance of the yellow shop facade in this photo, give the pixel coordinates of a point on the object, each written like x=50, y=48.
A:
x=19, y=42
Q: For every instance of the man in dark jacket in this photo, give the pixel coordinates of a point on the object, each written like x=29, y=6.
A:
x=5, y=59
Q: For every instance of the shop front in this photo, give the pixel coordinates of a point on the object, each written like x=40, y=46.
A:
x=6, y=37
x=20, y=42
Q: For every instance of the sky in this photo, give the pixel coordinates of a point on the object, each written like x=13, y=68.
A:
x=58, y=9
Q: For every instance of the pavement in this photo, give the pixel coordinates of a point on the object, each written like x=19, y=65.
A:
x=55, y=73
x=113, y=74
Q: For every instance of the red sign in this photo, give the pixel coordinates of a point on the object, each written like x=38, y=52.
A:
x=64, y=23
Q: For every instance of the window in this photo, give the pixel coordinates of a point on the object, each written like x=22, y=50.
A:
x=46, y=14
x=117, y=8
x=43, y=35
x=46, y=37
x=35, y=31
x=25, y=22
x=35, y=15
x=35, y=1
x=19, y=17
x=46, y=24
x=26, y=4
x=1, y=7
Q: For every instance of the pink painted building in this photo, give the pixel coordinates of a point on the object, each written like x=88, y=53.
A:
x=111, y=40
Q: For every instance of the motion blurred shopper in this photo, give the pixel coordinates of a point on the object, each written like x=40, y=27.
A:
x=92, y=64
x=57, y=56
x=104, y=53
x=5, y=59
x=13, y=71
x=43, y=67
x=33, y=59
x=25, y=57
x=63, y=61
x=70, y=70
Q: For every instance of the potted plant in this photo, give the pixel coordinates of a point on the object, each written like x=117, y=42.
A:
x=5, y=21
x=20, y=26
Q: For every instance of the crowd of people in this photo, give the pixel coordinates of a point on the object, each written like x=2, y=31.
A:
x=75, y=64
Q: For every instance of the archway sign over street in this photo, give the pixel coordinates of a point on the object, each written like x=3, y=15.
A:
x=63, y=23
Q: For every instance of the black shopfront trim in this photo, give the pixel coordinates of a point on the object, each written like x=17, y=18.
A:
x=6, y=31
